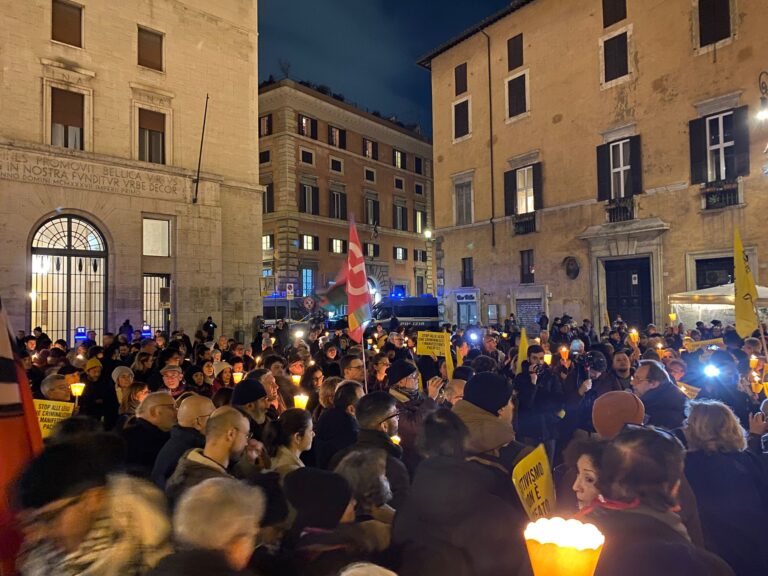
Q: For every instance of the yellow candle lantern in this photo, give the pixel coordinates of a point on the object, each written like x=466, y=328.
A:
x=258, y=360
x=558, y=546
x=296, y=379
x=757, y=385
x=300, y=401
x=547, y=358
x=504, y=335
x=272, y=341
x=765, y=389
x=634, y=337
x=563, y=353
x=659, y=346
x=753, y=362
x=237, y=377
x=395, y=439
x=77, y=389
x=672, y=316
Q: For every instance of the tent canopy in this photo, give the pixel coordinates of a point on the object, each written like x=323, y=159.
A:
x=722, y=295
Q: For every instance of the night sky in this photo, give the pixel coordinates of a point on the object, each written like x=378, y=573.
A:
x=365, y=49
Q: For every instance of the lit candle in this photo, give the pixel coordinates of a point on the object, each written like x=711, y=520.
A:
x=547, y=358
x=77, y=389
x=563, y=353
x=300, y=401
x=395, y=440
x=311, y=362
x=504, y=335
x=659, y=346
x=258, y=360
x=537, y=340
x=237, y=377
x=80, y=357
x=672, y=316
x=296, y=379
x=272, y=341
x=753, y=362
x=757, y=386
x=559, y=546
x=369, y=341
x=634, y=336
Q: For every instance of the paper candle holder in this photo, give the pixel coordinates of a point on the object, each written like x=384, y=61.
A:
x=558, y=546
x=300, y=401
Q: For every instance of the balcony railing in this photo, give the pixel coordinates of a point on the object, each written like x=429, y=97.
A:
x=620, y=210
x=720, y=195
x=525, y=223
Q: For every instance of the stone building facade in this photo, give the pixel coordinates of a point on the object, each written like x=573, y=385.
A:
x=324, y=161
x=102, y=218
x=594, y=156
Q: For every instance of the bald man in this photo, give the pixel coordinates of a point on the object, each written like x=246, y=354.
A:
x=227, y=433
x=189, y=433
x=146, y=434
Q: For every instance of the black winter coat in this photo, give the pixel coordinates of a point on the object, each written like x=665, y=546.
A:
x=538, y=404
x=195, y=562
x=181, y=440
x=665, y=406
x=143, y=442
x=335, y=430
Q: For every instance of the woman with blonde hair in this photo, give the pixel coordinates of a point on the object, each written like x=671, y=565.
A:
x=132, y=397
x=730, y=484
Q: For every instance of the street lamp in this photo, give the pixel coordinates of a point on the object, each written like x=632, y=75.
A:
x=428, y=234
x=762, y=83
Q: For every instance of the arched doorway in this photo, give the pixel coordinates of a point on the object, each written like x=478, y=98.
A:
x=69, y=277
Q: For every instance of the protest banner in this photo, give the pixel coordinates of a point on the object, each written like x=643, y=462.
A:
x=436, y=344
x=532, y=477
x=50, y=413
x=693, y=345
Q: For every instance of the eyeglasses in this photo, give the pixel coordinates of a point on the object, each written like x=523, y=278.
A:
x=355, y=366
x=248, y=435
x=395, y=415
x=414, y=376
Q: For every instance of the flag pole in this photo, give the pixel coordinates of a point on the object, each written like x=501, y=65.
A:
x=365, y=368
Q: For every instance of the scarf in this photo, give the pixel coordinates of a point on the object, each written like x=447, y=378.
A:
x=408, y=394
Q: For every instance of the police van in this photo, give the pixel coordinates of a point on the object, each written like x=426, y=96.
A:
x=417, y=312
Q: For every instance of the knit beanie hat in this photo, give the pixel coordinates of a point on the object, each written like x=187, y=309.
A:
x=613, y=410
x=319, y=497
x=219, y=366
x=400, y=369
x=119, y=371
x=248, y=391
x=488, y=391
x=92, y=363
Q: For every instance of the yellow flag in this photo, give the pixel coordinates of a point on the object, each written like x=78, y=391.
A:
x=522, y=352
x=744, y=290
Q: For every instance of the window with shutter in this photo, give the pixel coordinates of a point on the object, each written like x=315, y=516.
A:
x=461, y=126
x=524, y=190
x=67, y=23
x=460, y=78
x=527, y=269
x=714, y=21
x=418, y=165
x=614, y=11
x=620, y=169
x=721, y=157
x=515, y=52
x=151, y=136
x=467, y=273
x=510, y=192
x=150, y=49
x=370, y=149
x=67, y=119
x=517, y=101
x=398, y=159
x=268, y=199
x=265, y=125
x=615, y=57
x=604, y=172
x=463, y=200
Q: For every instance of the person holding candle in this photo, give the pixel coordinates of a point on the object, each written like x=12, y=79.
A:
x=222, y=372
x=337, y=427
x=287, y=438
x=251, y=398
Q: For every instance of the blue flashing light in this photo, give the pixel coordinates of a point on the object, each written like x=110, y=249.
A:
x=81, y=334
x=474, y=337
x=146, y=331
x=711, y=371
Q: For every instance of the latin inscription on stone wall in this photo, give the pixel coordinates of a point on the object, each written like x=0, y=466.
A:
x=73, y=173
x=528, y=311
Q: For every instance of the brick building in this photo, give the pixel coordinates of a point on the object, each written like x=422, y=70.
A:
x=595, y=156
x=102, y=106
x=324, y=161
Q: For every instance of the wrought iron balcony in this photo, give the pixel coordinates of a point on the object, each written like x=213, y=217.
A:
x=717, y=195
x=620, y=210
x=525, y=223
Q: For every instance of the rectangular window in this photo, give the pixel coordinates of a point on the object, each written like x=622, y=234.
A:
x=370, y=175
x=338, y=246
x=307, y=126
x=515, y=52
x=399, y=183
x=714, y=21
x=400, y=218
x=337, y=165
x=268, y=242
x=265, y=125
x=267, y=269
x=309, y=242
x=67, y=119
x=337, y=137
x=419, y=285
x=371, y=211
x=527, y=269
x=151, y=136
x=371, y=250
x=461, y=126
x=399, y=159
x=517, y=99
x=309, y=199
x=67, y=23
x=157, y=237
x=400, y=253
x=460, y=78
x=524, y=191
x=338, y=207
x=620, y=169
x=370, y=149
x=614, y=11
x=418, y=189
x=420, y=221
x=467, y=273
x=463, y=193
x=307, y=282
x=264, y=157
x=615, y=55
x=418, y=165
x=419, y=255
x=156, y=310
x=720, y=148
x=307, y=157
x=150, y=49
x=268, y=199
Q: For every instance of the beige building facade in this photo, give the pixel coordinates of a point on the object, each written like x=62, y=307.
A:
x=103, y=218
x=593, y=157
x=323, y=162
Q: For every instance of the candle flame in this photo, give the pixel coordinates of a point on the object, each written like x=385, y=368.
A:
x=565, y=533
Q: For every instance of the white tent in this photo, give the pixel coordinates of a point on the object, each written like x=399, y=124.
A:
x=712, y=303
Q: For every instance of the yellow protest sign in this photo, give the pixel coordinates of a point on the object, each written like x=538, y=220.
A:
x=693, y=345
x=688, y=390
x=50, y=413
x=533, y=482
x=435, y=344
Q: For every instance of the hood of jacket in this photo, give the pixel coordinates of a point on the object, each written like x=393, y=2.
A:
x=486, y=431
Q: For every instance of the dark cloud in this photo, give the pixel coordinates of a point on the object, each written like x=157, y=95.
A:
x=365, y=49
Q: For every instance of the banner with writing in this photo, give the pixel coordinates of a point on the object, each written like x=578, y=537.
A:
x=535, y=487
x=435, y=344
x=693, y=345
x=50, y=413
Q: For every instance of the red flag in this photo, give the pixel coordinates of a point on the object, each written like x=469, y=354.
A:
x=20, y=434
x=358, y=294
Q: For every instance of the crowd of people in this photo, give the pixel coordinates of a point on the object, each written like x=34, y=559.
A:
x=306, y=453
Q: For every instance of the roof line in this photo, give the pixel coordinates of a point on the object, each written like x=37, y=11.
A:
x=426, y=60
